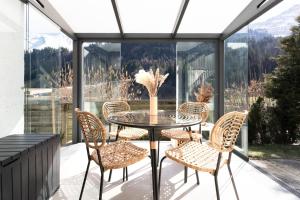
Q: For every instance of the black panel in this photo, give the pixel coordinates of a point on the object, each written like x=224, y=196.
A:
x=50, y=167
x=16, y=181
x=31, y=175
x=24, y=175
x=29, y=166
x=39, y=173
x=46, y=194
x=56, y=164
x=0, y=183
x=11, y=181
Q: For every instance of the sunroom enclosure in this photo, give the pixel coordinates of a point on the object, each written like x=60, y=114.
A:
x=198, y=54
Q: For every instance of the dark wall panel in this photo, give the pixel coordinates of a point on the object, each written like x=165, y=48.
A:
x=29, y=166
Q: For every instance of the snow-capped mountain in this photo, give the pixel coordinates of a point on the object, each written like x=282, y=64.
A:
x=279, y=25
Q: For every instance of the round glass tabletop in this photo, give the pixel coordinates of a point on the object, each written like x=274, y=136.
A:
x=164, y=119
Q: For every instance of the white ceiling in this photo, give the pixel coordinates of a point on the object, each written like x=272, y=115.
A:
x=87, y=16
x=214, y=17
x=210, y=16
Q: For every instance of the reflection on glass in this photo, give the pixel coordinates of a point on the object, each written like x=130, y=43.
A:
x=103, y=79
x=196, y=64
x=164, y=118
x=236, y=71
x=236, y=79
x=109, y=73
x=48, y=78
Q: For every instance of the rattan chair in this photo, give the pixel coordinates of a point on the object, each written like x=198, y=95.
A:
x=185, y=135
x=210, y=157
x=121, y=133
x=115, y=155
x=127, y=133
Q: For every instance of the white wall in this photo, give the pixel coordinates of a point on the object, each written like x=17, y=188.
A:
x=11, y=67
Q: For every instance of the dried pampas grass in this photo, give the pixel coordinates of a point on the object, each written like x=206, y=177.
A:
x=150, y=80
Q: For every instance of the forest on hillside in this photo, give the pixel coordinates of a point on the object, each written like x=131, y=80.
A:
x=52, y=68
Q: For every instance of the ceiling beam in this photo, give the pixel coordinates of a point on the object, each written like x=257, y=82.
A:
x=146, y=37
x=117, y=15
x=254, y=9
x=180, y=15
x=47, y=9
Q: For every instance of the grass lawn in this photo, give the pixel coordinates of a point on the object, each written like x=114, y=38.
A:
x=274, y=151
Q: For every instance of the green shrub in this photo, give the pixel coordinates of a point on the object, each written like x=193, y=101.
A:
x=257, y=125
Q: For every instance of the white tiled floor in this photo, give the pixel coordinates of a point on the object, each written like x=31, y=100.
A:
x=251, y=183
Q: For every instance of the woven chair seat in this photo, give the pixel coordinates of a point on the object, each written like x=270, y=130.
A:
x=197, y=156
x=130, y=133
x=119, y=154
x=188, y=108
x=181, y=135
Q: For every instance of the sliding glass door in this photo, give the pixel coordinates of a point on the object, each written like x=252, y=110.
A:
x=48, y=77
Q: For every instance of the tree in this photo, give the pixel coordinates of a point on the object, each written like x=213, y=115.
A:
x=283, y=85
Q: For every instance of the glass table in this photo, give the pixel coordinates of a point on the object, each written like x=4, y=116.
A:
x=154, y=124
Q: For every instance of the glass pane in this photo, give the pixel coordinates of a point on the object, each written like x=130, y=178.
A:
x=236, y=79
x=88, y=16
x=144, y=16
x=106, y=74
x=143, y=55
x=196, y=65
x=101, y=74
x=12, y=67
x=48, y=78
x=211, y=16
x=109, y=69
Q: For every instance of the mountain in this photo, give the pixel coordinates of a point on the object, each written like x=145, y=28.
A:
x=279, y=25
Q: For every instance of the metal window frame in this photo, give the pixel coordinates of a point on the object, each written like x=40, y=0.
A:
x=180, y=15
x=250, y=13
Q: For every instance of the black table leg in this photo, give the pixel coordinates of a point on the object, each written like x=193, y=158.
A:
x=153, y=152
x=157, y=152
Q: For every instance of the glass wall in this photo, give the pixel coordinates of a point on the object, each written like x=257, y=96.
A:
x=154, y=55
x=196, y=67
x=236, y=79
x=102, y=75
x=12, y=67
x=48, y=78
x=109, y=69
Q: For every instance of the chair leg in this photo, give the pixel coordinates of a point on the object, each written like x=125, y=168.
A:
x=126, y=173
x=84, y=180
x=197, y=177
x=101, y=184
x=108, y=140
x=160, y=168
x=158, y=151
x=200, y=132
x=109, y=177
x=217, y=187
x=185, y=174
x=233, y=183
